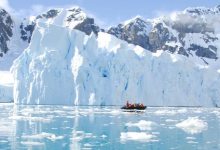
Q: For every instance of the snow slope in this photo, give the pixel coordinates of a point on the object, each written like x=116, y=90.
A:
x=76, y=69
x=193, y=33
x=6, y=87
x=12, y=42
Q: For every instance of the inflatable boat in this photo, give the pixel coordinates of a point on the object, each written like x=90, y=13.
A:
x=137, y=108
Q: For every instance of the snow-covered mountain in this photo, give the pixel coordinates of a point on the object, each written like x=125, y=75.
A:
x=76, y=69
x=11, y=45
x=16, y=34
x=195, y=33
x=73, y=18
x=106, y=69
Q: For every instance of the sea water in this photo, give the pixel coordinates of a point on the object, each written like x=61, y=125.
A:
x=96, y=127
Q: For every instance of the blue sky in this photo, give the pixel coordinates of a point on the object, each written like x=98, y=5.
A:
x=107, y=12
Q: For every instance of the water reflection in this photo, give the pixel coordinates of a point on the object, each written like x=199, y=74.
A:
x=72, y=127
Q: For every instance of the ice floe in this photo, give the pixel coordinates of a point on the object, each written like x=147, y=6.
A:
x=193, y=125
x=143, y=125
x=137, y=136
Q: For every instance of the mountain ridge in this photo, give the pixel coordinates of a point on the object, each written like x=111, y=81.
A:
x=193, y=32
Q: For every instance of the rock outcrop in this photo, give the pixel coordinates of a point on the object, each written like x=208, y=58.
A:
x=6, y=25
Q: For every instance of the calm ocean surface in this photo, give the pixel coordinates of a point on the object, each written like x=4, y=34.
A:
x=83, y=127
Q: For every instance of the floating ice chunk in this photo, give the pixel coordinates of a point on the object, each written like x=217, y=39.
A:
x=50, y=136
x=79, y=132
x=170, y=120
x=174, y=148
x=216, y=112
x=54, y=138
x=171, y=127
x=137, y=136
x=29, y=118
x=87, y=144
x=32, y=143
x=198, y=111
x=37, y=136
x=192, y=142
x=88, y=135
x=115, y=112
x=193, y=125
x=168, y=112
x=190, y=138
x=182, y=110
x=30, y=110
x=155, y=140
x=155, y=132
x=78, y=138
x=143, y=125
x=103, y=136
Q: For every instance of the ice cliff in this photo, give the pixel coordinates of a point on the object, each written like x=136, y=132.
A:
x=64, y=66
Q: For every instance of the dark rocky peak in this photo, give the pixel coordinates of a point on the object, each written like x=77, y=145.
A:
x=76, y=16
x=203, y=10
x=133, y=31
x=159, y=36
x=138, y=20
x=6, y=25
x=116, y=30
x=196, y=10
x=27, y=28
x=6, y=18
x=49, y=14
x=75, y=9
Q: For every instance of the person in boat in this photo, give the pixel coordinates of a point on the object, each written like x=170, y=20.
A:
x=127, y=104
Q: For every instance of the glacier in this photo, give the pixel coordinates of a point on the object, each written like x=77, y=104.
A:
x=6, y=87
x=64, y=66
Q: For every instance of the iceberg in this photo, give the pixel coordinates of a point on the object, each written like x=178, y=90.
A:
x=64, y=66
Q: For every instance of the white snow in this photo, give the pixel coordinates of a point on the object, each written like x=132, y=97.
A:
x=143, y=125
x=6, y=87
x=193, y=125
x=74, y=69
x=15, y=45
x=137, y=136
